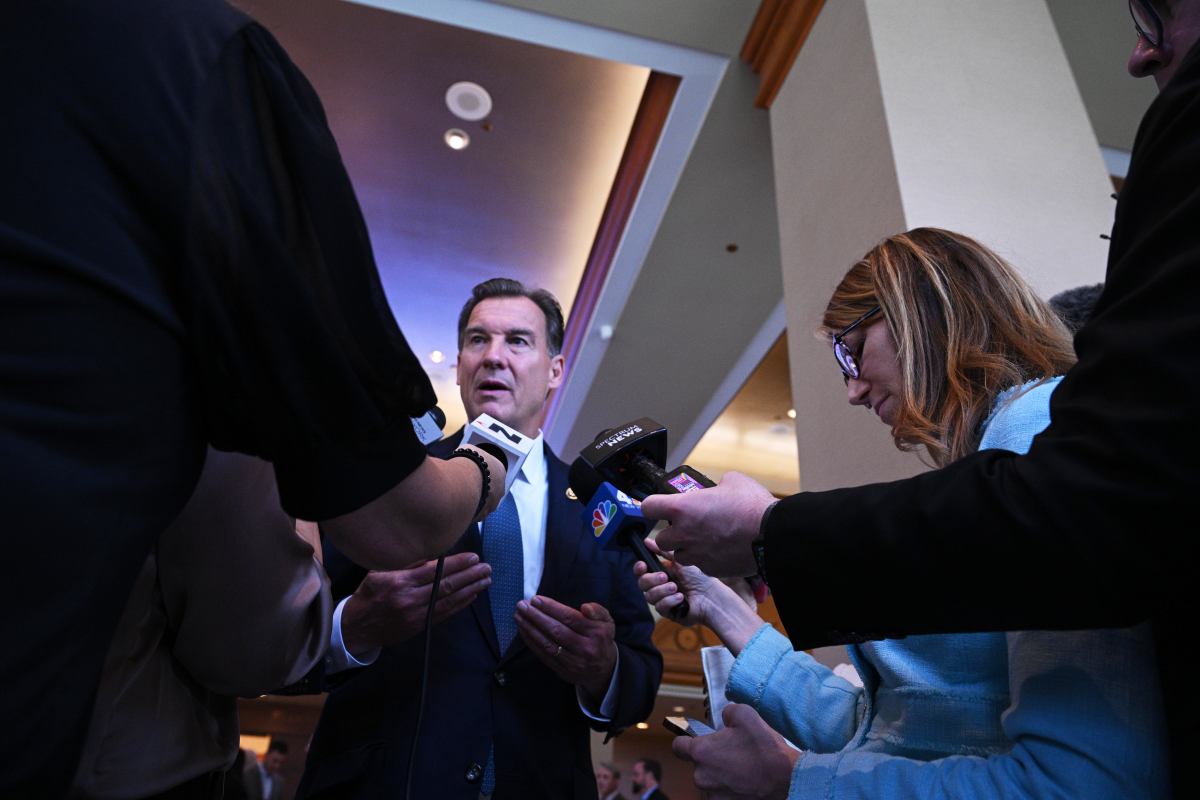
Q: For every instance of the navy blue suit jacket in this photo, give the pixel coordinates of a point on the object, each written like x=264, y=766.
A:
x=478, y=697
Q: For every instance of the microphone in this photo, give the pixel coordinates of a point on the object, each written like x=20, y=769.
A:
x=615, y=519
x=428, y=426
x=499, y=440
x=633, y=456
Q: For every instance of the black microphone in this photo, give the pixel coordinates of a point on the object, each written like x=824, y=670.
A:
x=615, y=519
x=429, y=425
x=633, y=458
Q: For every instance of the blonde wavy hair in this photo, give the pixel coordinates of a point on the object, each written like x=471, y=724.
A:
x=966, y=326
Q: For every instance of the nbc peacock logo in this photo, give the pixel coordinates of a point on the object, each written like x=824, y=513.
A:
x=601, y=516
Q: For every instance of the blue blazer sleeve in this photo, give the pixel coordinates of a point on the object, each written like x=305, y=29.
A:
x=796, y=695
x=1086, y=721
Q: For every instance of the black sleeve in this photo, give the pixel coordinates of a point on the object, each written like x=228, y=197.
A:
x=299, y=357
x=1095, y=526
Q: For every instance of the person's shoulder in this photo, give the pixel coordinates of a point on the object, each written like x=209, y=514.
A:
x=1019, y=414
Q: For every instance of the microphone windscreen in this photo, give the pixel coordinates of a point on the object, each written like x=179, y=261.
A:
x=512, y=445
x=610, y=513
x=428, y=426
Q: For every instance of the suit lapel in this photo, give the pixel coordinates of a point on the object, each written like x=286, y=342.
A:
x=563, y=531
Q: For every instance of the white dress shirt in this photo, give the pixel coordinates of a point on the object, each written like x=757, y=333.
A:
x=530, y=491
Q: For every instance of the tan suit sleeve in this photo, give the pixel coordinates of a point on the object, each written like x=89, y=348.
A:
x=248, y=601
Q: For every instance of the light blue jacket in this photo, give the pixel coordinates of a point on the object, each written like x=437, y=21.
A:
x=1032, y=714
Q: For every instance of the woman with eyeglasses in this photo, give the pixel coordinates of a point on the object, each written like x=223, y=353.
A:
x=951, y=349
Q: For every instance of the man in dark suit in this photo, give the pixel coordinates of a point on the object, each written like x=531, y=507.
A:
x=556, y=636
x=646, y=774
x=608, y=782
x=263, y=780
x=1094, y=527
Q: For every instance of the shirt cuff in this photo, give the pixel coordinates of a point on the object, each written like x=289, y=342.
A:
x=754, y=666
x=338, y=658
x=608, y=706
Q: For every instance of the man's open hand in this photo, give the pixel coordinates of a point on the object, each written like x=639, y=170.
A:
x=390, y=607
x=577, y=645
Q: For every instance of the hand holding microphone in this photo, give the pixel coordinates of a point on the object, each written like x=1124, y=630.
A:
x=713, y=528
x=615, y=520
x=633, y=456
x=499, y=448
x=706, y=597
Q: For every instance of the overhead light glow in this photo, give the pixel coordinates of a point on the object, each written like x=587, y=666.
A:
x=642, y=726
x=791, y=413
x=437, y=356
x=679, y=709
x=457, y=139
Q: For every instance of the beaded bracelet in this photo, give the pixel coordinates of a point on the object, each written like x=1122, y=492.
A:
x=486, y=474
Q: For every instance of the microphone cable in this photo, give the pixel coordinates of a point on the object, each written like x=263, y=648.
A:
x=416, y=739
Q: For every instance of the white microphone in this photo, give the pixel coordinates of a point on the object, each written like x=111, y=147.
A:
x=485, y=430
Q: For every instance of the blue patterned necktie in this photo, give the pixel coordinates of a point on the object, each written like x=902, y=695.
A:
x=503, y=550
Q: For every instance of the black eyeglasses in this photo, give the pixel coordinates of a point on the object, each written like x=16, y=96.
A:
x=1146, y=21
x=842, y=352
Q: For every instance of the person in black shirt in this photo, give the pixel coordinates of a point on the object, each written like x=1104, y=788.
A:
x=182, y=263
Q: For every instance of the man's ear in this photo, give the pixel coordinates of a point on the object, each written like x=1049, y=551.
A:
x=557, y=368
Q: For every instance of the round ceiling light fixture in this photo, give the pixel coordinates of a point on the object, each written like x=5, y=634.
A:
x=456, y=139
x=469, y=101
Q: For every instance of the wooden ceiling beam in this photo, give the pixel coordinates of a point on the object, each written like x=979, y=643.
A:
x=648, y=124
x=778, y=32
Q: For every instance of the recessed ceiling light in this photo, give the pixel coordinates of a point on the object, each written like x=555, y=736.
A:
x=456, y=139
x=791, y=413
x=469, y=101
x=437, y=356
x=679, y=709
x=642, y=726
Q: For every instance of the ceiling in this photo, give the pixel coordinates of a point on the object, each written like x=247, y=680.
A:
x=522, y=201
x=693, y=300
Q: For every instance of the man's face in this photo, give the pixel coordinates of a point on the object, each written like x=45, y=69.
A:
x=273, y=762
x=1181, y=30
x=640, y=777
x=504, y=367
x=606, y=783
